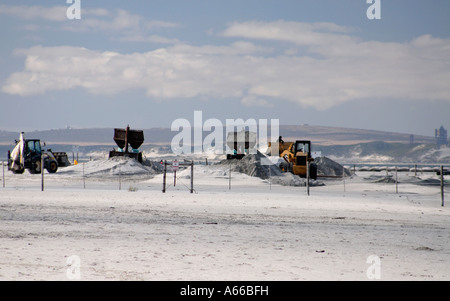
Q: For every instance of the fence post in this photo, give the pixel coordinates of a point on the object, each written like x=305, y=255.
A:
x=307, y=178
x=343, y=176
x=120, y=178
x=42, y=171
x=229, y=179
x=442, y=186
x=164, y=177
x=192, y=176
x=270, y=177
x=396, y=180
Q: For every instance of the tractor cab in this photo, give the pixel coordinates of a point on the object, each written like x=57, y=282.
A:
x=28, y=154
x=32, y=150
x=302, y=151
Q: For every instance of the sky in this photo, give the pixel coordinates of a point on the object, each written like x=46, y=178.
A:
x=110, y=63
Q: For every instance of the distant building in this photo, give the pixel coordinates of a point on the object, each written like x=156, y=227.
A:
x=441, y=136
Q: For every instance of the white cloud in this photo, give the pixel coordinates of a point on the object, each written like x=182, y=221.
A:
x=118, y=22
x=252, y=101
x=55, y=13
x=331, y=71
x=149, y=39
x=308, y=34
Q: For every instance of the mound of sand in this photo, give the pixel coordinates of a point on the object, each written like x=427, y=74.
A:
x=255, y=165
x=258, y=165
x=328, y=167
x=110, y=167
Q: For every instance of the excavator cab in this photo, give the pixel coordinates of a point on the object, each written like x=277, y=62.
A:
x=302, y=151
x=296, y=155
x=33, y=149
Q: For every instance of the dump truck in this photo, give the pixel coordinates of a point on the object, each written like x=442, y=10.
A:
x=240, y=143
x=125, y=138
x=28, y=154
x=295, y=156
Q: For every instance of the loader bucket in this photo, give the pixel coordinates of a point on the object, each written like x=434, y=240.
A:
x=134, y=138
x=125, y=137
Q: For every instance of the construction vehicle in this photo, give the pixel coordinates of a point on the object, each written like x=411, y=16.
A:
x=240, y=143
x=61, y=158
x=295, y=156
x=125, y=137
x=28, y=154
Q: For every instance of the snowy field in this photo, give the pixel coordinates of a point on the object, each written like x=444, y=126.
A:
x=86, y=228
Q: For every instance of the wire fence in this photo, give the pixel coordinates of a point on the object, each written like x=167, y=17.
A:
x=170, y=168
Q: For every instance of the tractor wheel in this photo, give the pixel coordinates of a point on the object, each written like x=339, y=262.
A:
x=284, y=166
x=36, y=167
x=18, y=171
x=313, y=171
x=52, y=167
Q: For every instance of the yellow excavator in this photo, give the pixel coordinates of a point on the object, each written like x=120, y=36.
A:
x=295, y=156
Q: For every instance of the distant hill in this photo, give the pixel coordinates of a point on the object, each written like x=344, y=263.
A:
x=341, y=144
x=384, y=152
x=319, y=135
x=325, y=135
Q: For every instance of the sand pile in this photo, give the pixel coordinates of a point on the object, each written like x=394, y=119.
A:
x=255, y=165
x=328, y=167
x=258, y=165
x=110, y=167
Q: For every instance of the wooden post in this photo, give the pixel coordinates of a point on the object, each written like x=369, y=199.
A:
x=42, y=171
x=229, y=179
x=396, y=180
x=270, y=177
x=164, y=177
x=415, y=170
x=174, y=178
x=442, y=186
x=3, y=167
x=307, y=178
x=343, y=176
x=120, y=180
x=192, y=176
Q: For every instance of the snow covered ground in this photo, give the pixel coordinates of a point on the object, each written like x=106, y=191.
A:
x=88, y=229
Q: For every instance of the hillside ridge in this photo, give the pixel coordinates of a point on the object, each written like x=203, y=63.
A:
x=320, y=135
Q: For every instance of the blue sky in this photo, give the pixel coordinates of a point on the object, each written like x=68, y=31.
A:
x=147, y=63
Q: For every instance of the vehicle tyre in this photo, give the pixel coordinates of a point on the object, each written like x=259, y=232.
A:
x=313, y=171
x=284, y=166
x=52, y=167
x=18, y=171
x=35, y=167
